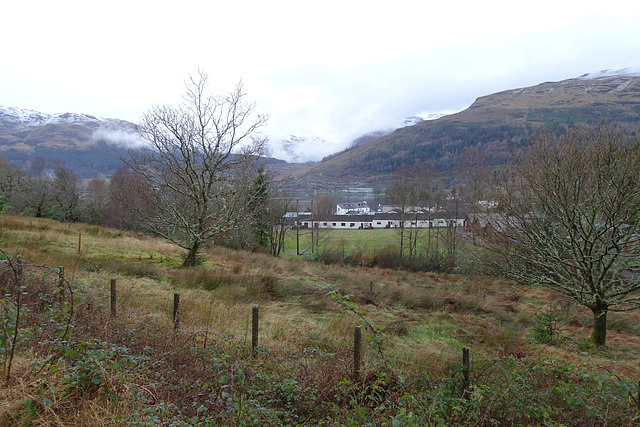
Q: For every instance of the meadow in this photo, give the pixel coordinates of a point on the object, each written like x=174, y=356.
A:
x=68, y=359
x=368, y=242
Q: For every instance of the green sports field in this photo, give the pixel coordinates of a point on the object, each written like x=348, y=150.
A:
x=369, y=242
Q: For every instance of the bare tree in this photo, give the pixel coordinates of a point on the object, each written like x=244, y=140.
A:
x=474, y=172
x=408, y=187
x=324, y=205
x=66, y=189
x=319, y=207
x=13, y=181
x=189, y=161
x=279, y=223
x=36, y=197
x=569, y=220
x=129, y=200
x=95, y=201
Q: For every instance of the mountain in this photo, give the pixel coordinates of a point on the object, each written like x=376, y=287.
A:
x=304, y=149
x=494, y=122
x=86, y=144
x=91, y=146
x=296, y=148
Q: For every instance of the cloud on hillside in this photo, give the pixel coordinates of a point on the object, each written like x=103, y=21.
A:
x=119, y=137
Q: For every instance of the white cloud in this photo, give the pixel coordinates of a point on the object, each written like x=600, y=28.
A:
x=118, y=137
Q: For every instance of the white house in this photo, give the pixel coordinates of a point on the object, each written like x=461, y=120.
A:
x=389, y=220
x=357, y=208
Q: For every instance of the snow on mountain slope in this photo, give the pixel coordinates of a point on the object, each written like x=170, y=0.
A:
x=611, y=73
x=300, y=149
x=16, y=120
x=25, y=119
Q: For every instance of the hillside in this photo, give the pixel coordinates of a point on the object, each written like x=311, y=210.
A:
x=88, y=145
x=84, y=355
x=495, y=122
x=91, y=146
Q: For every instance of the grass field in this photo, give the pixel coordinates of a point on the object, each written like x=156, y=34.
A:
x=73, y=363
x=369, y=242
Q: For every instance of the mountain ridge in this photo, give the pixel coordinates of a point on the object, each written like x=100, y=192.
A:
x=494, y=122
x=92, y=146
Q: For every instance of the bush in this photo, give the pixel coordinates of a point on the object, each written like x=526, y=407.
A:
x=545, y=329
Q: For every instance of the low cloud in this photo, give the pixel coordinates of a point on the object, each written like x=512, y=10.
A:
x=117, y=136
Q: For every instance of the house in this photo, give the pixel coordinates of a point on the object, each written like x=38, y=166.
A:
x=357, y=208
x=388, y=220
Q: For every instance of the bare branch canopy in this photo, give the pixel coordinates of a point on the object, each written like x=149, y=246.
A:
x=193, y=154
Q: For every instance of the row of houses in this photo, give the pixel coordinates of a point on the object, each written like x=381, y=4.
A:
x=380, y=220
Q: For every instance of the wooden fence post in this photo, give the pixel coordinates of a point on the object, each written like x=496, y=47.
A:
x=176, y=307
x=254, y=328
x=61, y=283
x=19, y=271
x=465, y=372
x=357, y=352
x=113, y=297
x=79, y=243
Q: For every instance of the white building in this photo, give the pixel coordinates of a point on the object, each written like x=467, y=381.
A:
x=357, y=208
x=389, y=220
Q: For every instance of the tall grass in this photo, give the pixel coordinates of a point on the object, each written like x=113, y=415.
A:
x=135, y=369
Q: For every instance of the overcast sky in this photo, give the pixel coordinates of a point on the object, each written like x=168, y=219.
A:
x=333, y=69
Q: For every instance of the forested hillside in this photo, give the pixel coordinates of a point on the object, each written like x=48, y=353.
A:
x=495, y=123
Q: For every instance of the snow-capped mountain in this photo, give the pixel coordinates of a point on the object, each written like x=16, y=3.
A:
x=409, y=121
x=86, y=144
x=629, y=72
x=300, y=149
x=14, y=119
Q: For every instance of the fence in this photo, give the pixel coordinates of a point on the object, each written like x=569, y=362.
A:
x=182, y=315
x=355, y=349
x=448, y=364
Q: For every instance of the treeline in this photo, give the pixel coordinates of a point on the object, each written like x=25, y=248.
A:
x=86, y=163
x=48, y=189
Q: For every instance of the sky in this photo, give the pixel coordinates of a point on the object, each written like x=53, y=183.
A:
x=330, y=69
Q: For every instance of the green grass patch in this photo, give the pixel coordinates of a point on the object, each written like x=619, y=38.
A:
x=369, y=242
x=437, y=331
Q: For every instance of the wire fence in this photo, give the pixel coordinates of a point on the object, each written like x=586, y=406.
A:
x=196, y=318
x=361, y=349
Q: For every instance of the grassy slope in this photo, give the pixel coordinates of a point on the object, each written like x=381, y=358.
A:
x=429, y=317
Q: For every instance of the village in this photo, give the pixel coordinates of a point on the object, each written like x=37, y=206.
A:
x=360, y=216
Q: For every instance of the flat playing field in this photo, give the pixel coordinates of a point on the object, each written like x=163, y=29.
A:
x=366, y=241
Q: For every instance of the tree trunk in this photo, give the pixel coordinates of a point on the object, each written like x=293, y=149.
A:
x=599, y=333
x=191, y=259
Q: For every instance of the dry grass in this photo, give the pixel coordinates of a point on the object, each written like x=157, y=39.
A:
x=429, y=317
